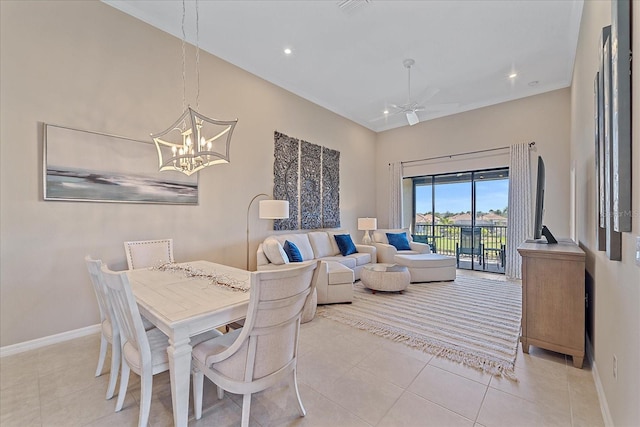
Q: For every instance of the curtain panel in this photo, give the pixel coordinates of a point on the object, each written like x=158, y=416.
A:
x=395, y=195
x=519, y=214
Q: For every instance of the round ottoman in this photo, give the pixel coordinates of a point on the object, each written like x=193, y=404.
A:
x=385, y=277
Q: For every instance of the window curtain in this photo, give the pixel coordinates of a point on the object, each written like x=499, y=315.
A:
x=395, y=195
x=519, y=213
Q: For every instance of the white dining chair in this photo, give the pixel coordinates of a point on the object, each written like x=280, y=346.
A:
x=143, y=352
x=265, y=350
x=147, y=253
x=109, y=332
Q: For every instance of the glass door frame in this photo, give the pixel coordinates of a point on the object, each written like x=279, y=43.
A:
x=431, y=181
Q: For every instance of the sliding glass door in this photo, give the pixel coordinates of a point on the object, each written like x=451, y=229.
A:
x=463, y=214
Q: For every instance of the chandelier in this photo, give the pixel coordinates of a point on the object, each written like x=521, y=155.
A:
x=194, y=141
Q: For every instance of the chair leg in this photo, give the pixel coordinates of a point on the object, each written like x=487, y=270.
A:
x=246, y=408
x=198, y=386
x=220, y=392
x=146, y=386
x=294, y=384
x=103, y=354
x=124, y=382
x=115, y=368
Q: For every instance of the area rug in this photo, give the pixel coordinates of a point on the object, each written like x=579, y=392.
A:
x=472, y=320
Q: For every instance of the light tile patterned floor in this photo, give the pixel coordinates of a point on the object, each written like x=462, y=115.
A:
x=347, y=377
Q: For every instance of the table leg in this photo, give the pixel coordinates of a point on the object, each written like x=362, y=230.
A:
x=179, y=352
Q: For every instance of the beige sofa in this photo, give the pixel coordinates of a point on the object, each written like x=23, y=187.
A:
x=386, y=253
x=337, y=273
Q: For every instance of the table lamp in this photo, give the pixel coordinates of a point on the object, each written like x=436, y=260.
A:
x=367, y=224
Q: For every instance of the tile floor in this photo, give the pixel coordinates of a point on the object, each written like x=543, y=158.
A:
x=347, y=377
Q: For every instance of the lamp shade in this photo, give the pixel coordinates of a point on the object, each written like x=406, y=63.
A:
x=367, y=223
x=273, y=209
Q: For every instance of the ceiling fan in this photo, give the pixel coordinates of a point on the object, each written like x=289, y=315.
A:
x=411, y=108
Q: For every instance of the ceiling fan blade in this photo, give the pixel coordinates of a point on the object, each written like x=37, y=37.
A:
x=427, y=94
x=412, y=118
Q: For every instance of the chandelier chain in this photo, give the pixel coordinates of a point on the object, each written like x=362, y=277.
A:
x=184, y=64
x=197, y=57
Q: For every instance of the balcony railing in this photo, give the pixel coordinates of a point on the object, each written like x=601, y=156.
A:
x=443, y=240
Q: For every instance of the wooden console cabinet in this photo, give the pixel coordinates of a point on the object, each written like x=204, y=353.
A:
x=553, y=298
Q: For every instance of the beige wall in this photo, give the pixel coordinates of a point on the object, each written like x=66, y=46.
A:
x=616, y=283
x=542, y=118
x=88, y=66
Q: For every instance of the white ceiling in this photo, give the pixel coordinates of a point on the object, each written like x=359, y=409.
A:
x=349, y=59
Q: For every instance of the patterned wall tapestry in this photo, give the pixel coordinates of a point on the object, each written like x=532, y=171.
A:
x=308, y=176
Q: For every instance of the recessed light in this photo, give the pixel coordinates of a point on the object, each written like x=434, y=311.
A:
x=287, y=51
x=385, y=112
x=513, y=75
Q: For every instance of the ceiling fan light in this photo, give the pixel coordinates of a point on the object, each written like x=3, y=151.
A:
x=412, y=118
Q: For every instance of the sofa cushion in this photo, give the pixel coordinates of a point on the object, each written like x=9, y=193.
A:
x=399, y=240
x=361, y=258
x=334, y=244
x=345, y=244
x=380, y=236
x=274, y=251
x=292, y=252
x=339, y=274
x=301, y=241
x=347, y=261
x=425, y=260
x=321, y=244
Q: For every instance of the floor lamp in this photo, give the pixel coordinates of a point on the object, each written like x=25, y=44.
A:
x=268, y=209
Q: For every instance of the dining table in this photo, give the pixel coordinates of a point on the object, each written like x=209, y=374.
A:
x=186, y=299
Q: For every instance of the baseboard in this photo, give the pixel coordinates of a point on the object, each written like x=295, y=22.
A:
x=604, y=406
x=10, y=350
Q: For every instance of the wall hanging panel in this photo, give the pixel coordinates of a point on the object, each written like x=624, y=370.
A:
x=310, y=186
x=285, y=178
x=330, y=188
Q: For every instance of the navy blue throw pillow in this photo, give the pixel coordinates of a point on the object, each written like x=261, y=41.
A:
x=345, y=244
x=399, y=240
x=292, y=252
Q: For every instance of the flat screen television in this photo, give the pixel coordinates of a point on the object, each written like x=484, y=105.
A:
x=539, y=228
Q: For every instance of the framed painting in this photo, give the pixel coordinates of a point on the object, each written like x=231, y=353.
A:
x=599, y=156
x=80, y=165
x=613, y=237
x=621, y=114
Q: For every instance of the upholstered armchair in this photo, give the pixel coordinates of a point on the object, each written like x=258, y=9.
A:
x=386, y=251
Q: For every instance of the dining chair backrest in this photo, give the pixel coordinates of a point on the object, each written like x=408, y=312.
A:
x=265, y=350
x=148, y=253
x=127, y=315
x=270, y=334
x=94, y=266
x=109, y=332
